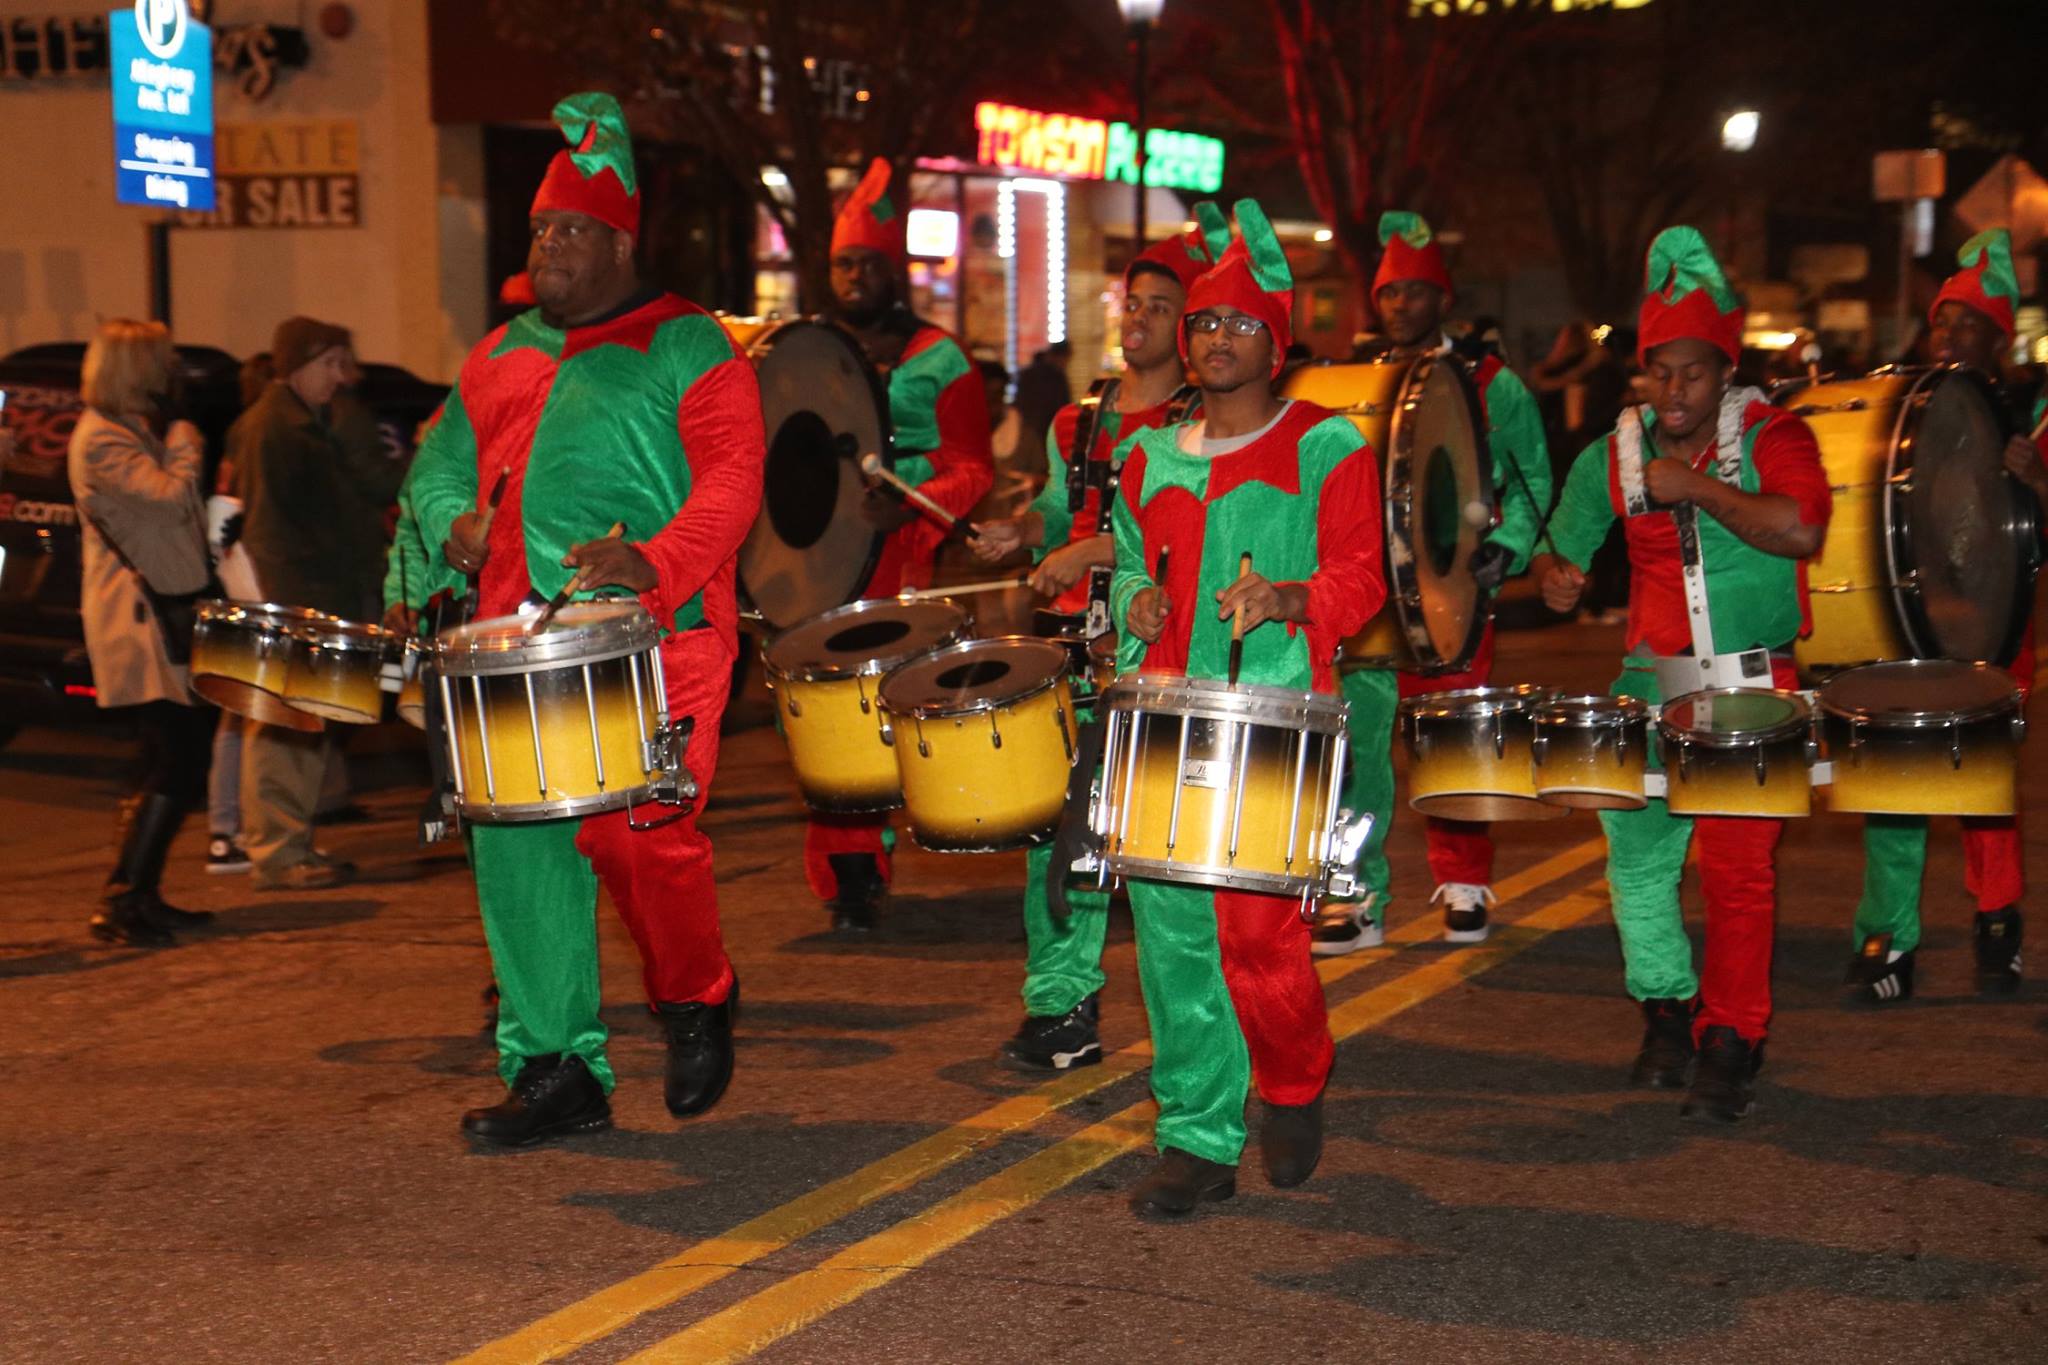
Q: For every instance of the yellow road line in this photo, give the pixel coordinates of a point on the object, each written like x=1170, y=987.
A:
x=795, y=1303
x=590, y=1319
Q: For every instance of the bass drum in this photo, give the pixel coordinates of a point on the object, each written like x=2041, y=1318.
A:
x=1931, y=548
x=1423, y=419
x=823, y=407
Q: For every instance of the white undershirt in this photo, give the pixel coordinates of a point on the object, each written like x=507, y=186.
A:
x=1195, y=441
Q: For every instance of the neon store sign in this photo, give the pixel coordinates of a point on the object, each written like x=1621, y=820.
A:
x=1089, y=149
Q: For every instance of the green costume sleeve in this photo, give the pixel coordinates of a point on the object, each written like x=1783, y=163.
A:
x=1132, y=575
x=1585, y=511
x=1521, y=465
x=440, y=487
x=1051, y=502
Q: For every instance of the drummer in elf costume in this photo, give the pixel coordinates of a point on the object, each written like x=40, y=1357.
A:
x=1232, y=996
x=609, y=403
x=1063, y=955
x=1971, y=324
x=1412, y=292
x=1750, y=474
x=940, y=417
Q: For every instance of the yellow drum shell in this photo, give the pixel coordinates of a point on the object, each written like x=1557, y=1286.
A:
x=987, y=781
x=592, y=740
x=335, y=670
x=1471, y=755
x=1923, y=737
x=1591, y=761
x=840, y=743
x=241, y=655
x=1855, y=619
x=1764, y=773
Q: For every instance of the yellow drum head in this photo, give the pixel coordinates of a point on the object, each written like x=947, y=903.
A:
x=866, y=637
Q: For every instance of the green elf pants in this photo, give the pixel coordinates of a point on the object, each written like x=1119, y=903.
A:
x=1062, y=957
x=1894, y=859
x=1369, y=773
x=539, y=900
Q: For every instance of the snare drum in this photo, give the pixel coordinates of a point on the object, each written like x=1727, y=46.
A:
x=1590, y=752
x=241, y=654
x=1471, y=756
x=984, y=741
x=825, y=672
x=1924, y=737
x=1737, y=751
x=1217, y=785
x=335, y=670
x=569, y=722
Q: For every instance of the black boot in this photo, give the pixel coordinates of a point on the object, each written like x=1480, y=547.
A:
x=1667, y=1045
x=156, y=823
x=1998, y=951
x=122, y=917
x=1179, y=1181
x=699, y=1052
x=1720, y=1089
x=1056, y=1042
x=859, y=879
x=1291, y=1140
x=1879, y=976
x=552, y=1096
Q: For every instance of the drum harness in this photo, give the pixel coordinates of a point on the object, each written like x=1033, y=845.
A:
x=1703, y=668
x=1084, y=473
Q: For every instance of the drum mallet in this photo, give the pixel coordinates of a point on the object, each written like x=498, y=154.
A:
x=871, y=465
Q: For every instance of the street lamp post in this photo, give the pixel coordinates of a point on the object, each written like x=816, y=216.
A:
x=1139, y=16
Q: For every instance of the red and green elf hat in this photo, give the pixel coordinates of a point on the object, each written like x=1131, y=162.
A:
x=595, y=175
x=1686, y=295
x=1250, y=275
x=1986, y=282
x=1411, y=253
x=870, y=218
x=1186, y=255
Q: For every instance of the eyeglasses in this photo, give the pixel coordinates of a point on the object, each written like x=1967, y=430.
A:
x=1237, y=324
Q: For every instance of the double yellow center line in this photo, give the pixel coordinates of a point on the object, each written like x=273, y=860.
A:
x=801, y=1299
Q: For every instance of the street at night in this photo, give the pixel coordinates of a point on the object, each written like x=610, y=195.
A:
x=249, y=1145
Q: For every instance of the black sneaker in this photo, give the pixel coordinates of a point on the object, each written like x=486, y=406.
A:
x=1667, y=1050
x=1720, y=1087
x=1465, y=906
x=1879, y=975
x=1998, y=951
x=1345, y=927
x=224, y=855
x=1056, y=1042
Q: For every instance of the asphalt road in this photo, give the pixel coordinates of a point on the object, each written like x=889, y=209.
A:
x=245, y=1149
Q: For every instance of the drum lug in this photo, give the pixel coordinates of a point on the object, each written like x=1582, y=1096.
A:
x=1500, y=736
x=924, y=750
x=1066, y=732
x=2019, y=728
x=1955, y=745
x=995, y=733
x=860, y=684
x=1684, y=758
x=1538, y=742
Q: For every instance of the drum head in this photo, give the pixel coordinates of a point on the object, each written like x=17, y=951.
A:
x=1727, y=717
x=1919, y=692
x=866, y=637
x=1959, y=547
x=1590, y=712
x=581, y=632
x=823, y=407
x=977, y=675
x=1478, y=701
x=1440, y=506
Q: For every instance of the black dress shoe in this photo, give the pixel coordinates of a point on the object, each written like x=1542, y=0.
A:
x=1667, y=1048
x=121, y=920
x=1179, y=1181
x=859, y=880
x=699, y=1052
x=551, y=1097
x=1721, y=1089
x=164, y=915
x=1291, y=1140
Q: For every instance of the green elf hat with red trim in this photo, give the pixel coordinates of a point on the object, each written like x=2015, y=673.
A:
x=1186, y=255
x=870, y=218
x=1411, y=253
x=594, y=175
x=1686, y=295
x=1251, y=275
x=1986, y=282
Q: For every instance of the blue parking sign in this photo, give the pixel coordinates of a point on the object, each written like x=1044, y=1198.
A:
x=162, y=61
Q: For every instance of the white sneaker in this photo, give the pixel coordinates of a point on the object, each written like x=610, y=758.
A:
x=1345, y=927
x=1465, y=907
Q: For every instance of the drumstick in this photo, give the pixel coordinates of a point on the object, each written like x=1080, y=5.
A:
x=871, y=465
x=1244, y=567
x=962, y=590
x=575, y=583
x=489, y=510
